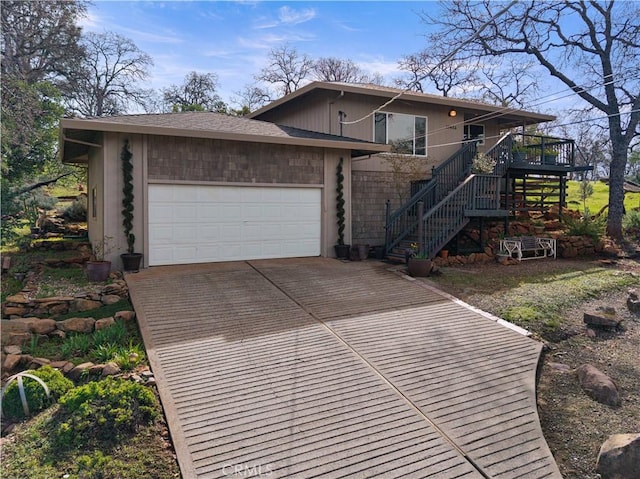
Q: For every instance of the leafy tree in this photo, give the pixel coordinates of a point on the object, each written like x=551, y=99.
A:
x=287, y=69
x=39, y=39
x=197, y=93
x=39, y=45
x=589, y=46
x=106, y=79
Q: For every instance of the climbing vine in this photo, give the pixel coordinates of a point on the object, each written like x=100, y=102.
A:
x=340, y=202
x=127, y=200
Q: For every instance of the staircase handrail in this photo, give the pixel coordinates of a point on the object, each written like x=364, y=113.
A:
x=430, y=193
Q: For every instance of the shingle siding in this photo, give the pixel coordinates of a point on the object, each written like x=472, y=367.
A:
x=370, y=192
x=197, y=159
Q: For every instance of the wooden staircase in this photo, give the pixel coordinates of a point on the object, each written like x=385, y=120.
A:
x=447, y=202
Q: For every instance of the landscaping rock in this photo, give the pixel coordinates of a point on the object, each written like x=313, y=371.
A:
x=17, y=299
x=598, y=385
x=13, y=326
x=79, y=325
x=58, y=364
x=110, y=299
x=68, y=367
x=85, y=305
x=42, y=326
x=633, y=301
x=604, y=318
x=619, y=457
x=58, y=333
x=18, y=339
x=11, y=362
x=110, y=369
x=9, y=311
x=591, y=333
x=104, y=323
x=96, y=369
x=36, y=363
x=560, y=367
x=125, y=315
x=13, y=349
x=78, y=370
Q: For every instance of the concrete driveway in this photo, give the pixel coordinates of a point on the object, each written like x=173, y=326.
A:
x=319, y=368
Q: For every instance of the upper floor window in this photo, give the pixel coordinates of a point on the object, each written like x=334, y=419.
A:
x=474, y=132
x=406, y=133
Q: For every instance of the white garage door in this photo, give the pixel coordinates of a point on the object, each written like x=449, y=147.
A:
x=202, y=224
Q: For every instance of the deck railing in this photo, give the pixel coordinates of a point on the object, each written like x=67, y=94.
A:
x=543, y=150
x=403, y=222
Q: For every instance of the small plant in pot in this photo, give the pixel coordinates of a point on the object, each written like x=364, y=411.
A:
x=342, y=250
x=130, y=260
x=418, y=263
x=98, y=268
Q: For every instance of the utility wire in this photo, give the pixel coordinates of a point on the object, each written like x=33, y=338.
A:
x=441, y=62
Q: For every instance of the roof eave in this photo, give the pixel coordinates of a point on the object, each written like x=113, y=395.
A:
x=524, y=115
x=96, y=125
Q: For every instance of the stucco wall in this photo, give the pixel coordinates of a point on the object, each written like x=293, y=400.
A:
x=195, y=159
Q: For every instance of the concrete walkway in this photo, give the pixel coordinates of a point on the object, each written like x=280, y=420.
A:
x=317, y=368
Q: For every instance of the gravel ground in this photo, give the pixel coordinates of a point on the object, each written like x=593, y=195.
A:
x=574, y=425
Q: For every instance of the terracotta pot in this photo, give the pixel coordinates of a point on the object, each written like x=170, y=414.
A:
x=98, y=271
x=131, y=261
x=419, y=267
x=444, y=254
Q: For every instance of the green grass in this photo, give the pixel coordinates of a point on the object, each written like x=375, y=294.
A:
x=599, y=198
x=533, y=300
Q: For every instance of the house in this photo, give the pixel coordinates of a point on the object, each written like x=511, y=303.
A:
x=210, y=187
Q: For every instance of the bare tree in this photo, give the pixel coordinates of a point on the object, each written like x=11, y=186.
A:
x=250, y=98
x=427, y=67
x=592, y=47
x=106, y=82
x=337, y=70
x=197, y=93
x=287, y=69
x=510, y=83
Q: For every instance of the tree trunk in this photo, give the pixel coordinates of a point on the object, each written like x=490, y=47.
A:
x=616, y=188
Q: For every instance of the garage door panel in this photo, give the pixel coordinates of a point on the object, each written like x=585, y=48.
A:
x=190, y=224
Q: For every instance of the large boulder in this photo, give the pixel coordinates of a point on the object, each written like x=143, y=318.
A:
x=42, y=326
x=602, y=317
x=633, y=301
x=598, y=385
x=619, y=457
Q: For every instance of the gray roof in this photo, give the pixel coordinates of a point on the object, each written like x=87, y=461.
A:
x=205, y=125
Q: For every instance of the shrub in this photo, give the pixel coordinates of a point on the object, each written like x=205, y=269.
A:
x=37, y=399
x=631, y=224
x=109, y=408
x=586, y=226
x=77, y=210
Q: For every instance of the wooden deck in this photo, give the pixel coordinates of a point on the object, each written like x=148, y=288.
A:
x=317, y=368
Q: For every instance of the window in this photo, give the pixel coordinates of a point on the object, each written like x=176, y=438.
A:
x=474, y=132
x=407, y=133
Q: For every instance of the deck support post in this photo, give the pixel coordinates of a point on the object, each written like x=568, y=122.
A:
x=421, y=244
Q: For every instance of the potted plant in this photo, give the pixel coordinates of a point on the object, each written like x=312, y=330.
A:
x=98, y=267
x=418, y=264
x=342, y=250
x=549, y=156
x=483, y=164
x=130, y=260
x=519, y=152
x=502, y=256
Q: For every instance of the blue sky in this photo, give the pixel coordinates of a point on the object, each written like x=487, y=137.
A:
x=232, y=39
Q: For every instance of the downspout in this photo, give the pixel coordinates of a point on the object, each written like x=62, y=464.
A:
x=331, y=116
